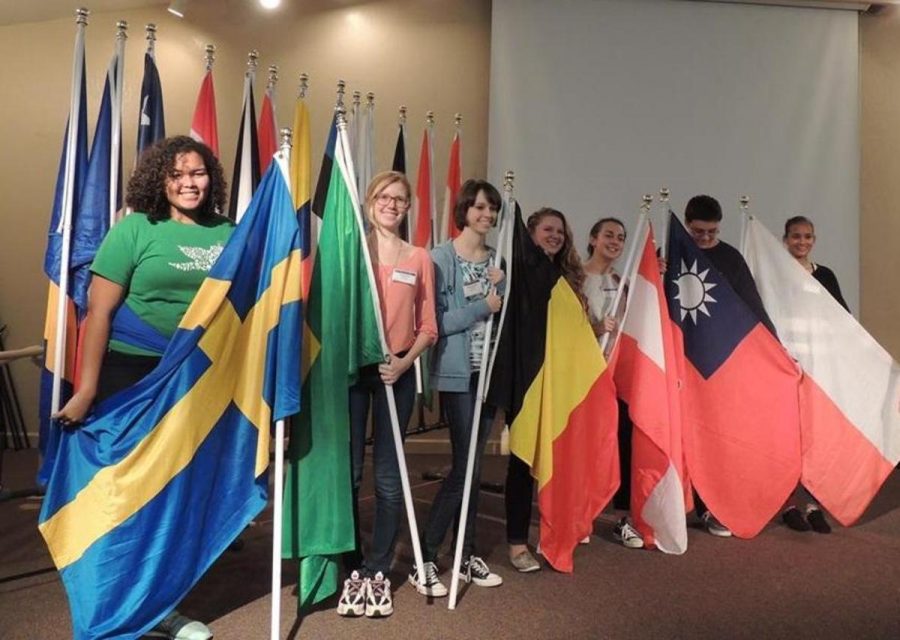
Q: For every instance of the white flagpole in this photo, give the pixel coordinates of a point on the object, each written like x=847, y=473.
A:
x=342, y=153
x=628, y=272
x=664, y=201
x=117, y=93
x=476, y=423
x=283, y=158
x=65, y=223
x=504, y=245
x=432, y=198
x=745, y=216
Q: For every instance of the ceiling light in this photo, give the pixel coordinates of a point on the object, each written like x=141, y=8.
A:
x=270, y=4
x=176, y=7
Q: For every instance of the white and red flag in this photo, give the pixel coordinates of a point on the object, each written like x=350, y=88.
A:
x=204, y=126
x=424, y=204
x=647, y=378
x=850, y=391
x=454, y=173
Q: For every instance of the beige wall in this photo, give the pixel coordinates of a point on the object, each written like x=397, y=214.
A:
x=426, y=54
x=879, y=231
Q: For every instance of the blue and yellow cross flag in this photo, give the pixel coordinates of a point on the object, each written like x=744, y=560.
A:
x=145, y=497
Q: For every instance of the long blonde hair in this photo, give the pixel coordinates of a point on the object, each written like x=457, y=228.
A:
x=567, y=258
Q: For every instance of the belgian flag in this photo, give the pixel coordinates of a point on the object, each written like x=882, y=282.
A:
x=554, y=384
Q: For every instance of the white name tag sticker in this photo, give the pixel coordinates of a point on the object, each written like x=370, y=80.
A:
x=404, y=276
x=473, y=289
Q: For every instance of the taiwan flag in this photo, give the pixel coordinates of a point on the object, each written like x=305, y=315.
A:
x=741, y=411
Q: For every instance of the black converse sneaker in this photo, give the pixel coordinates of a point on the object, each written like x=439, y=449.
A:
x=378, y=597
x=476, y=570
x=353, y=598
x=431, y=585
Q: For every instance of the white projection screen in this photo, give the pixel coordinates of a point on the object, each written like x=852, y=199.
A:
x=594, y=103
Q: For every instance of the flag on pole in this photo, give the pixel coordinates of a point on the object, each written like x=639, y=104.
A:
x=64, y=229
x=186, y=450
x=246, y=160
x=152, y=124
x=741, y=414
x=301, y=176
x=323, y=184
x=850, y=393
x=204, y=125
x=454, y=173
x=648, y=361
x=364, y=161
x=424, y=199
x=554, y=384
x=318, y=508
x=268, y=128
x=399, y=164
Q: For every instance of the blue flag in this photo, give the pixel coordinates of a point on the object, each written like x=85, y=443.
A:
x=76, y=159
x=152, y=123
x=164, y=475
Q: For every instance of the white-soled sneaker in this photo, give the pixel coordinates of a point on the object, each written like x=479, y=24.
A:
x=379, y=603
x=476, y=570
x=714, y=527
x=627, y=535
x=178, y=627
x=352, y=602
x=432, y=585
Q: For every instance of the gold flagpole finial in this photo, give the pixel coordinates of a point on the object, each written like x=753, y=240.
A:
x=304, y=84
x=370, y=99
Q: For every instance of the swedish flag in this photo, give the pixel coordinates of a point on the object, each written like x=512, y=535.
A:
x=164, y=476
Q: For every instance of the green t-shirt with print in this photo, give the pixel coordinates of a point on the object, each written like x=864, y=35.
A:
x=161, y=265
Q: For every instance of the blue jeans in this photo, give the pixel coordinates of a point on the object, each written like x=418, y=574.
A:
x=388, y=488
x=459, y=409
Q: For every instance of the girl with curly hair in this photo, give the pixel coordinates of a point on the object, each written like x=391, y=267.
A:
x=145, y=275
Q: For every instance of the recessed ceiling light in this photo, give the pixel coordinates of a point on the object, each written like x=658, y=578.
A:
x=270, y=4
x=176, y=7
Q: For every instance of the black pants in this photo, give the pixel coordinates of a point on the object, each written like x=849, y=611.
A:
x=622, y=498
x=519, y=492
x=122, y=370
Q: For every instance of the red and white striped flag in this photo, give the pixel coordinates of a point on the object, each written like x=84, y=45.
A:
x=424, y=204
x=850, y=390
x=647, y=378
x=204, y=127
x=454, y=172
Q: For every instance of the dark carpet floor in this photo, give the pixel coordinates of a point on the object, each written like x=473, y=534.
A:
x=782, y=584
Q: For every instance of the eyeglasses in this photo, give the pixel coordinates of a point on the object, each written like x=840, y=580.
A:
x=400, y=201
x=699, y=233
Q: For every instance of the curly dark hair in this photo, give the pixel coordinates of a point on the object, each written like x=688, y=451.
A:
x=147, y=186
x=566, y=259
